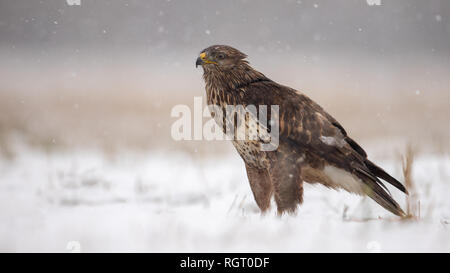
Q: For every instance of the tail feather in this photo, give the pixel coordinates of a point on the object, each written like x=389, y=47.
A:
x=385, y=200
x=379, y=172
x=374, y=169
x=375, y=191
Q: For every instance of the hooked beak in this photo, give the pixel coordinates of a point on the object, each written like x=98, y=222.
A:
x=201, y=60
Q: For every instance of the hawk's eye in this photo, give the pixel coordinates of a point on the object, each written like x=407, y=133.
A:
x=221, y=56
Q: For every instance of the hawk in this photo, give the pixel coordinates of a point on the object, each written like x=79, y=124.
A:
x=313, y=147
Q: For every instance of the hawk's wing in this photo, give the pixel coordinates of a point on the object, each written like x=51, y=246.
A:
x=307, y=126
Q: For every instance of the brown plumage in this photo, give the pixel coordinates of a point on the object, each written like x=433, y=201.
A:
x=313, y=146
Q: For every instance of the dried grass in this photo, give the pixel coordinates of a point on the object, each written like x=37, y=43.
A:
x=412, y=199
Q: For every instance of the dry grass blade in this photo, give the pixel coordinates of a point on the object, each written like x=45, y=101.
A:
x=412, y=200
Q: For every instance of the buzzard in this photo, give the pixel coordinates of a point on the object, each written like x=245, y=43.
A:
x=313, y=147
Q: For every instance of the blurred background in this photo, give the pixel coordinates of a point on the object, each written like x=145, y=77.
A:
x=107, y=73
x=86, y=90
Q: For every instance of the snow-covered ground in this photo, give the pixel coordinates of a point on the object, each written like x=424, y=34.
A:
x=156, y=202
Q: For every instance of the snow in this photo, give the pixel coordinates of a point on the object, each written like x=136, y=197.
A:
x=90, y=201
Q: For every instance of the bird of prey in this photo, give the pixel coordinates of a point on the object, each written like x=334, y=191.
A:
x=313, y=146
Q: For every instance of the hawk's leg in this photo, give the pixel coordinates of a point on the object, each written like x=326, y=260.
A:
x=287, y=182
x=261, y=186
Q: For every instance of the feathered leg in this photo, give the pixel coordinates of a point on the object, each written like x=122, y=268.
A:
x=261, y=186
x=288, y=185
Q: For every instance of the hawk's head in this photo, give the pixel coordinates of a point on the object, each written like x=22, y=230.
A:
x=220, y=56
